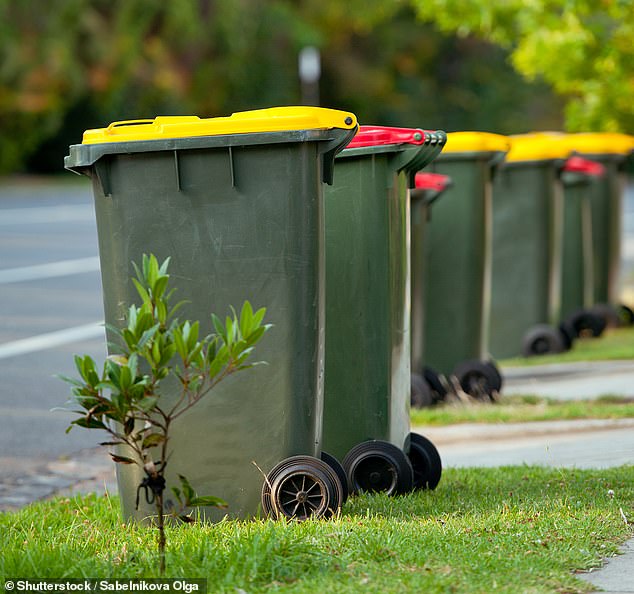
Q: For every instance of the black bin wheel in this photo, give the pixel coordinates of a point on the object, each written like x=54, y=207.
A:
x=479, y=379
x=425, y=461
x=438, y=389
x=339, y=471
x=420, y=392
x=542, y=340
x=377, y=466
x=608, y=313
x=586, y=323
x=301, y=487
x=568, y=334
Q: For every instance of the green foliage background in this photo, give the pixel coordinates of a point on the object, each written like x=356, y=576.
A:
x=67, y=65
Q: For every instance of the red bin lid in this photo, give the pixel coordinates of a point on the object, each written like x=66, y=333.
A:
x=432, y=181
x=383, y=135
x=586, y=166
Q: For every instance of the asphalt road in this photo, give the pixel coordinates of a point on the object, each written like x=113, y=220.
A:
x=51, y=309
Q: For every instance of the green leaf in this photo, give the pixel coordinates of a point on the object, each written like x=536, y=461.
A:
x=140, y=289
x=153, y=439
x=208, y=501
x=168, y=352
x=155, y=353
x=88, y=423
x=246, y=318
x=192, y=337
x=218, y=325
x=147, y=403
x=69, y=380
x=165, y=265
x=161, y=312
x=114, y=329
x=147, y=336
x=256, y=335
x=125, y=378
x=150, y=269
x=122, y=459
x=179, y=343
x=258, y=316
x=113, y=371
x=159, y=287
x=177, y=494
x=231, y=330
x=219, y=361
x=133, y=365
x=244, y=355
x=188, y=490
x=211, y=349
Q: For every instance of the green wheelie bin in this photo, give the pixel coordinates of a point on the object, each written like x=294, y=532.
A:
x=456, y=267
x=367, y=372
x=237, y=203
x=579, y=176
x=606, y=198
x=527, y=248
x=426, y=387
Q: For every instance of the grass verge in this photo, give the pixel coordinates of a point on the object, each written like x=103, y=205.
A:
x=520, y=409
x=614, y=344
x=514, y=529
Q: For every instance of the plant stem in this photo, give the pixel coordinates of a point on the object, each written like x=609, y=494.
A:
x=161, y=529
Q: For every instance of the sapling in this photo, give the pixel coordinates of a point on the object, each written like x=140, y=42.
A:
x=126, y=399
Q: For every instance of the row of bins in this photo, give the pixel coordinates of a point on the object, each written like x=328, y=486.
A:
x=246, y=208
x=384, y=282
x=521, y=255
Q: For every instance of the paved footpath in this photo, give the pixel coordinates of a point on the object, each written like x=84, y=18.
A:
x=572, y=381
x=87, y=471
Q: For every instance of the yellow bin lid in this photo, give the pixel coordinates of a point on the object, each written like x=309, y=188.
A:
x=538, y=146
x=468, y=142
x=601, y=143
x=273, y=119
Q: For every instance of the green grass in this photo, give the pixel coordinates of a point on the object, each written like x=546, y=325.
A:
x=514, y=529
x=519, y=409
x=614, y=344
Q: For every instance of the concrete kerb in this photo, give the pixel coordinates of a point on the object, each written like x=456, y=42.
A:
x=470, y=432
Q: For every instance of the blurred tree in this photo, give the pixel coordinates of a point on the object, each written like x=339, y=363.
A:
x=583, y=48
x=399, y=72
x=68, y=65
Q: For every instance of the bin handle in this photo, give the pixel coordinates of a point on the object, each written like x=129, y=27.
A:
x=381, y=135
x=123, y=123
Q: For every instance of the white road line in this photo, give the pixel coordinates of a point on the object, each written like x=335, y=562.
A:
x=47, y=214
x=52, y=339
x=50, y=270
